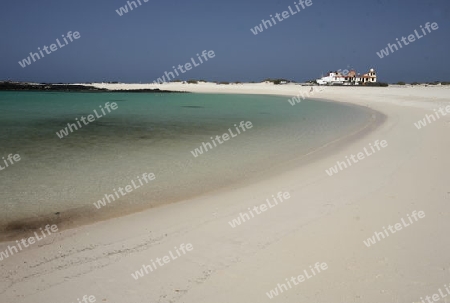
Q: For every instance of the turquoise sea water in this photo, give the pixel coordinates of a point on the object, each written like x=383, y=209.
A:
x=60, y=179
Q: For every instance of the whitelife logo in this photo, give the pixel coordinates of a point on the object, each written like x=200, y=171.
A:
x=53, y=48
x=11, y=250
x=124, y=9
x=360, y=156
x=437, y=297
x=284, y=287
x=86, y=299
x=187, y=67
x=399, y=226
x=423, y=123
x=411, y=38
x=90, y=118
x=185, y=248
x=281, y=197
x=11, y=158
x=303, y=95
x=243, y=125
x=281, y=17
x=110, y=197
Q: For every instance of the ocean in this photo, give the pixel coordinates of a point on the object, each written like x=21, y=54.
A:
x=58, y=180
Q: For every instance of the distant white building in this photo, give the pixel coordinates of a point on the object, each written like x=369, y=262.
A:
x=352, y=78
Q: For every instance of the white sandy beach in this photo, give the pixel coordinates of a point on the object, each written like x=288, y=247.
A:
x=325, y=220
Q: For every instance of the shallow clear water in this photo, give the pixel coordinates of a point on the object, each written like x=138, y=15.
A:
x=147, y=133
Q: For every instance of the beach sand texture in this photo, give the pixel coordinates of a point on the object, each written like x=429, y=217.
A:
x=326, y=219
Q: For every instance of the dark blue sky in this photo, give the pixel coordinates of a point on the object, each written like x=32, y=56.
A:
x=144, y=43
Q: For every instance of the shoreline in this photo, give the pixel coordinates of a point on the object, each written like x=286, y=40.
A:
x=76, y=217
x=9, y=86
x=326, y=219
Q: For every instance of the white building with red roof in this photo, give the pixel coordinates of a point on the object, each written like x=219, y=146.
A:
x=351, y=78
